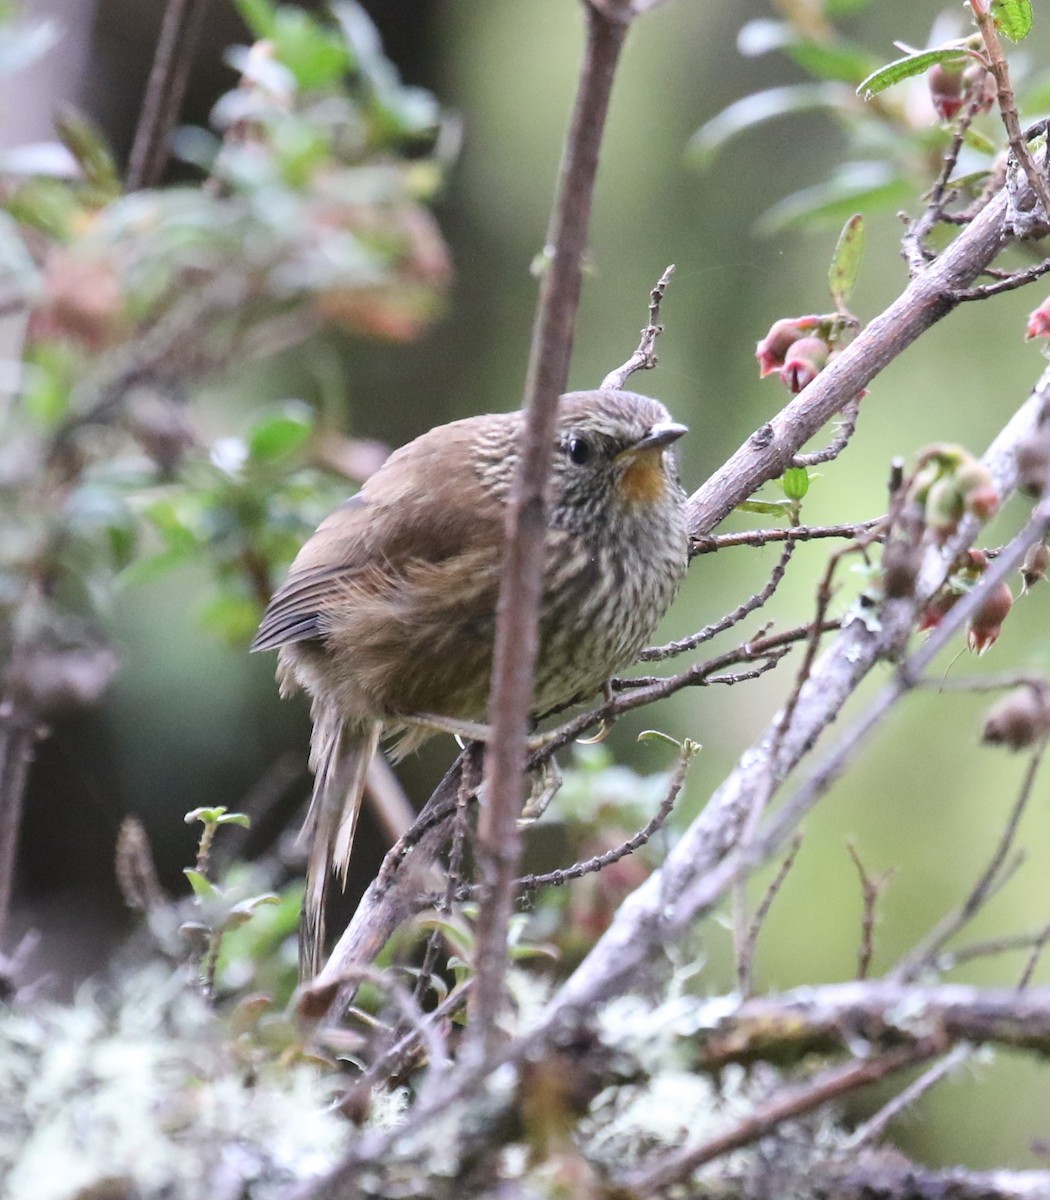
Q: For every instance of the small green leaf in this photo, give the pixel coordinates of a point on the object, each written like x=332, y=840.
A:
x=206, y=816
x=827, y=59
x=230, y=615
x=203, y=888
x=1013, y=18
x=907, y=68
x=235, y=818
x=85, y=142
x=280, y=436
x=258, y=15
x=845, y=262
x=795, y=482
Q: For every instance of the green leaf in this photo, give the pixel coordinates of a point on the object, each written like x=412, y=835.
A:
x=231, y=615
x=795, y=482
x=1013, y=18
x=756, y=110
x=203, y=888
x=845, y=262
x=235, y=818
x=279, y=437
x=206, y=816
x=833, y=60
x=867, y=185
x=258, y=15
x=316, y=56
x=85, y=142
x=908, y=67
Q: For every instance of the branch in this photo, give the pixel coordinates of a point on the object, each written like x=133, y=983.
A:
x=165, y=91
x=835, y=1018
x=790, y=1102
x=928, y=297
x=516, y=639
x=1007, y=104
x=706, y=859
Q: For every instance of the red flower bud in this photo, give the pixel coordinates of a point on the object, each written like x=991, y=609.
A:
x=987, y=622
x=773, y=348
x=937, y=608
x=1038, y=322
x=804, y=362
x=946, y=88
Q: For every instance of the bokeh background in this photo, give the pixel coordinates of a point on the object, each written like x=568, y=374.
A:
x=192, y=721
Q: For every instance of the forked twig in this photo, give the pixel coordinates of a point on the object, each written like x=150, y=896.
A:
x=644, y=358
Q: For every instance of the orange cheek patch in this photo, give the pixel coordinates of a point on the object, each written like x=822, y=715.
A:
x=644, y=481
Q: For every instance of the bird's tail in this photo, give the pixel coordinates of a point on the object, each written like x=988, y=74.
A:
x=339, y=755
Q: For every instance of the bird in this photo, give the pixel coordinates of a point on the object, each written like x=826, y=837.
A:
x=387, y=616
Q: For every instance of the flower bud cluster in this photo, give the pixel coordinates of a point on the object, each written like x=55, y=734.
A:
x=948, y=484
x=987, y=622
x=1020, y=719
x=799, y=348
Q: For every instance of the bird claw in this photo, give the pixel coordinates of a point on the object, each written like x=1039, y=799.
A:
x=546, y=783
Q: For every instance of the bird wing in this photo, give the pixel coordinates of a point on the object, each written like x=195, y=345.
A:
x=425, y=504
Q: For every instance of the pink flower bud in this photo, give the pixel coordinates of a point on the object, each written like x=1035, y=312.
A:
x=987, y=622
x=804, y=362
x=937, y=608
x=946, y=89
x=784, y=333
x=979, y=493
x=1038, y=322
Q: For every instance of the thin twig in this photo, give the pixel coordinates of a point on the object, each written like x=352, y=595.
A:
x=165, y=91
x=1009, y=283
x=746, y=958
x=671, y=649
x=517, y=613
x=846, y=429
x=644, y=358
x=826, y=1086
x=875, y=1126
x=1007, y=105
x=918, y=958
x=790, y=533
x=564, y=875
x=870, y=889
x=913, y=244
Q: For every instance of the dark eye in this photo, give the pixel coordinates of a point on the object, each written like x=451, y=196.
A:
x=579, y=450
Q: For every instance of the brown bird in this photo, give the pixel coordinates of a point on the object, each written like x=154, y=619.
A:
x=388, y=612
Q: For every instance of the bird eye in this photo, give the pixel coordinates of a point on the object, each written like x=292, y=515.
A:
x=579, y=450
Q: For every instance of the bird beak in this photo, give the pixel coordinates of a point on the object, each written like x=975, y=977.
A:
x=663, y=433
